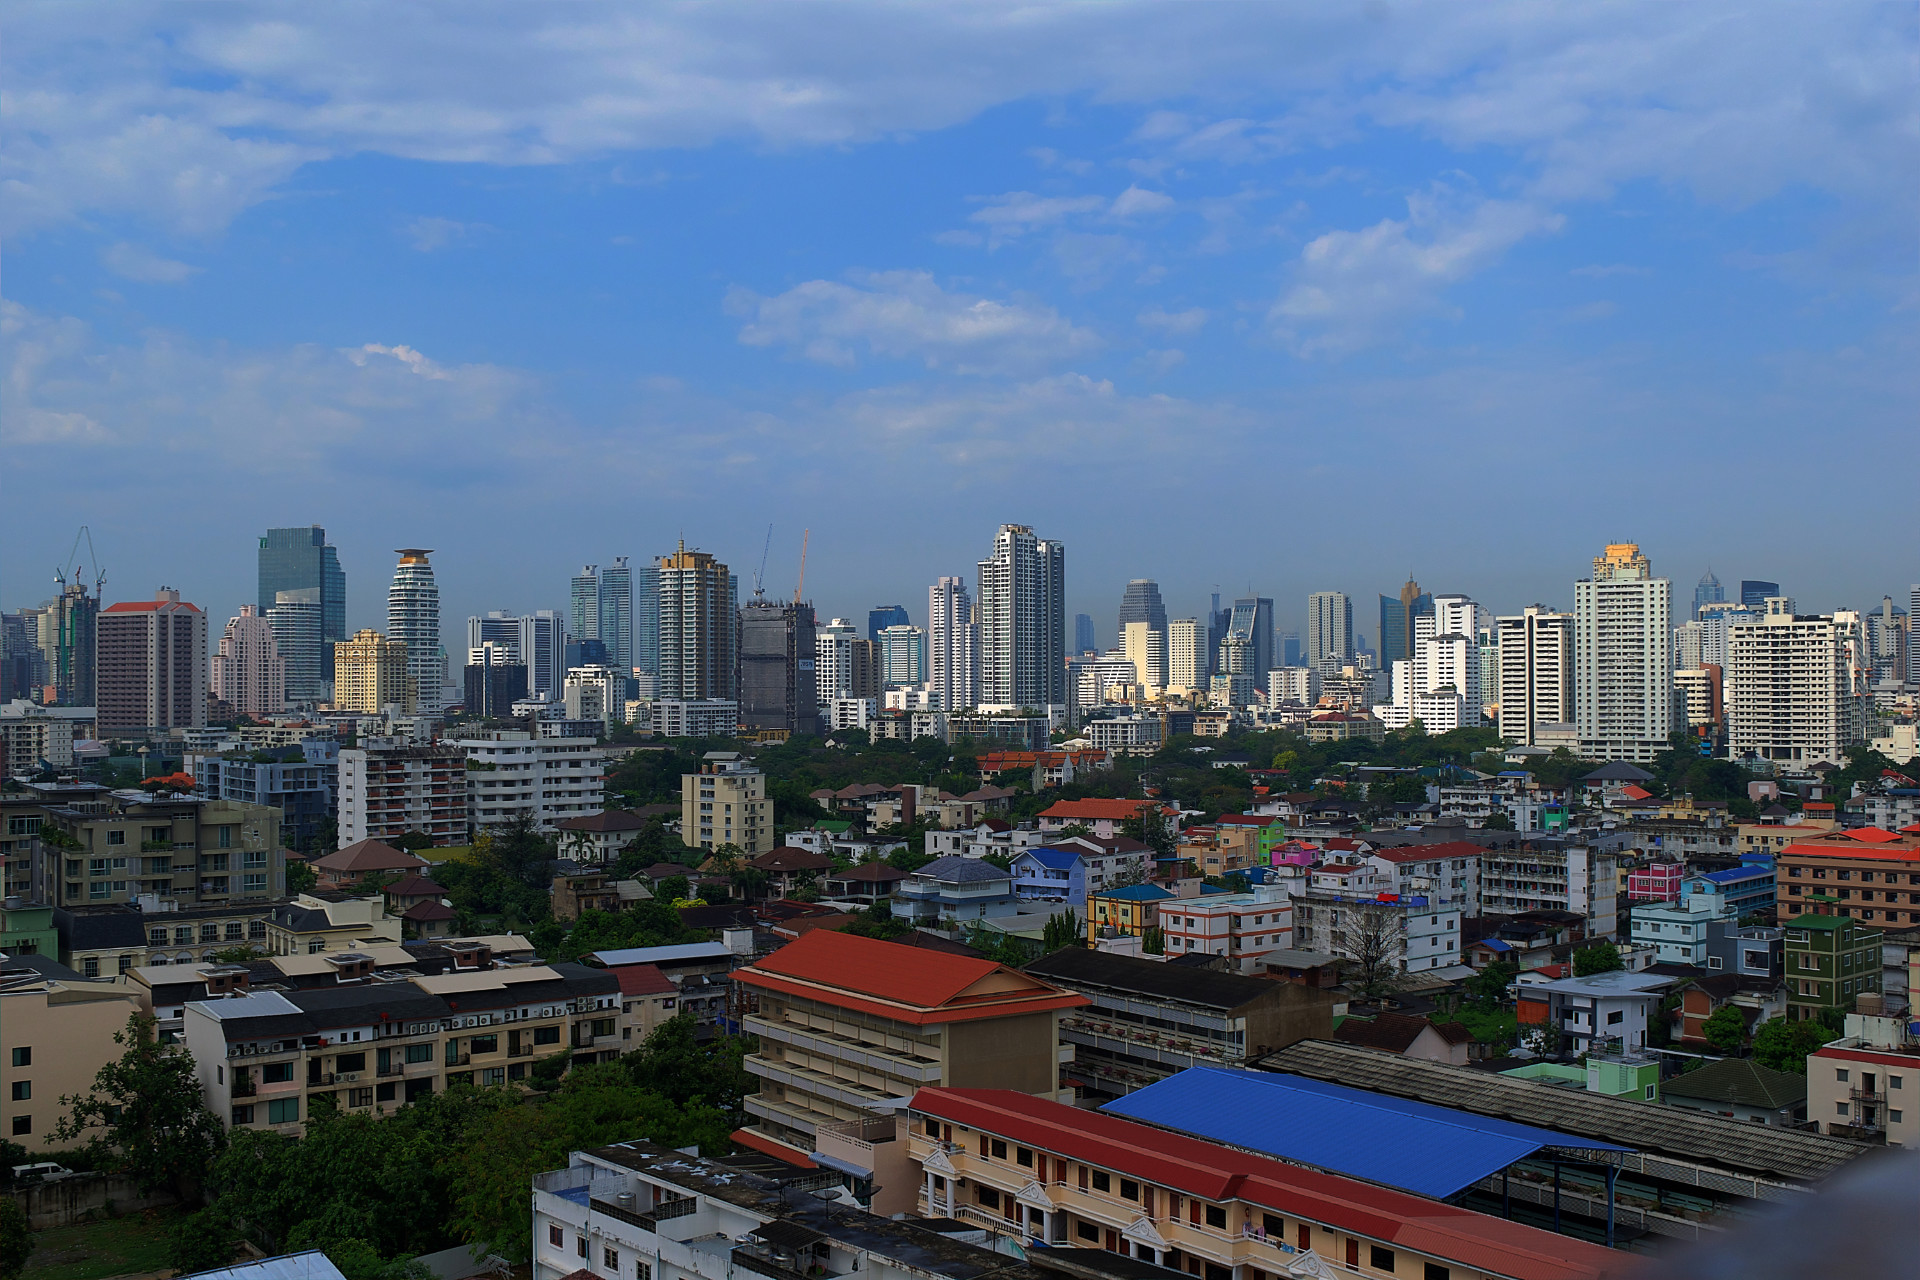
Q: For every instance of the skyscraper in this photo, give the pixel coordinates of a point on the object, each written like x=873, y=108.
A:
x=1754, y=594
x=1186, y=664
x=1913, y=642
x=646, y=619
x=953, y=646
x=616, y=614
x=372, y=672
x=778, y=668
x=248, y=672
x=1289, y=646
x=494, y=680
x=299, y=625
x=151, y=668
x=1536, y=672
x=880, y=617
x=73, y=621
x=301, y=560
x=1397, y=614
x=1084, y=640
x=1142, y=604
x=413, y=618
x=1251, y=623
x=1795, y=687
x=1707, y=591
x=534, y=640
x=1329, y=631
x=699, y=622
x=903, y=656
x=1623, y=657
x=583, y=604
x=1217, y=620
x=845, y=664
x=1023, y=622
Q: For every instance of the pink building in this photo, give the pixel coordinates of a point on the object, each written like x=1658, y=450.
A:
x=1656, y=882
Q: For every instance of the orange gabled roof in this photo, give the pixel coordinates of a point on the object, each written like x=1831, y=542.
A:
x=1873, y=835
x=907, y=984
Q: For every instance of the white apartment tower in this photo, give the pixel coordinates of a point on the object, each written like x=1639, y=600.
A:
x=1536, y=672
x=1329, y=631
x=248, y=672
x=953, y=647
x=903, y=655
x=1186, y=654
x=413, y=617
x=1023, y=622
x=1623, y=657
x=1795, y=686
x=1146, y=648
x=833, y=647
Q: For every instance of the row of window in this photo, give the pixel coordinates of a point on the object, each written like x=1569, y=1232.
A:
x=1844, y=873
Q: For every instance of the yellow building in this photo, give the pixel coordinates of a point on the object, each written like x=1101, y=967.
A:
x=370, y=674
x=726, y=803
x=56, y=1032
x=1130, y=909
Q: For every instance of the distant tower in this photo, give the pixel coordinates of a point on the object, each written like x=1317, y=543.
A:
x=1708, y=591
x=300, y=559
x=1623, y=657
x=1397, y=614
x=1083, y=637
x=1142, y=605
x=413, y=618
x=1023, y=622
x=953, y=646
x=699, y=626
x=1329, y=631
x=248, y=671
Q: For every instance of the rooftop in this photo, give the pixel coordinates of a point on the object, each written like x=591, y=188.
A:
x=1079, y=967
x=1735, y=1145
x=1741, y=1082
x=663, y=955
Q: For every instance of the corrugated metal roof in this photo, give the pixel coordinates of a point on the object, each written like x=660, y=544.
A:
x=311, y=1265
x=1415, y=1147
x=1737, y=1145
x=663, y=955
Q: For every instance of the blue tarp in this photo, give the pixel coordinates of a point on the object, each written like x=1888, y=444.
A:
x=1415, y=1146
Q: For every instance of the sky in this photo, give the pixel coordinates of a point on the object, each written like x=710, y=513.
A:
x=1280, y=297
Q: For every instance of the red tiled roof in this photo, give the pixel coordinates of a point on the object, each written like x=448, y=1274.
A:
x=1198, y=1168
x=643, y=980
x=608, y=820
x=1095, y=810
x=876, y=872
x=428, y=910
x=1872, y=835
x=414, y=887
x=1247, y=820
x=1636, y=793
x=788, y=858
x=908, y=984
x=765, y=1146
x=149, y=606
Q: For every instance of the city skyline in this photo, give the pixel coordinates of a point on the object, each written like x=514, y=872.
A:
x=1379, y=254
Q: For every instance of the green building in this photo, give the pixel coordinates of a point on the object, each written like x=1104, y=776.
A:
x=27, y=930
x=1830, y=960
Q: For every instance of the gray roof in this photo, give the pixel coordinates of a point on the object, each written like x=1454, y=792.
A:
x=1740, y=1081
x=311, y=1265
x=1736, y=1145
x=1077, y=967
x=958, y=870
x=1618, y=771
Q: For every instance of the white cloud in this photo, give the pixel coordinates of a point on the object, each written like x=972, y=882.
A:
x=432, y=234
x=1351, y=289
x=1188, y=321
x=1599, y=271
x=410, y=359
x=1137, y=201
x=132, y=262
x=1018, y=212
x=906, y=315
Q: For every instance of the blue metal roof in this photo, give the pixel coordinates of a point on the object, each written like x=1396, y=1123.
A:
x=1058, y=859
x=1494, y=944
x=1736, y=873
x=1415, y=1146
x=1136, y=892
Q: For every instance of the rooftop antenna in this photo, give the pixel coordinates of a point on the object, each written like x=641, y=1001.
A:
x=801, y=585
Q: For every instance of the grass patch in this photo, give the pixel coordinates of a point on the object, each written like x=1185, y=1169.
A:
x=121, y=1246
x=1496, y=1027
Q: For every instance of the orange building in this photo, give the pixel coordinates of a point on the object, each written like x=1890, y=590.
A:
x=1871, y=873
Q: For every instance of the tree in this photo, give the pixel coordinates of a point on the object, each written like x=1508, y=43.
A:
x=674, y=1063
x=1152, y=828
x=16, y=1241
x=301, y=877
x=671, y=889
x=413, y=840
x=1725, y=1030
x=1602, y=957
x=1062, y=930
x=145, y=1114
x=1488, y=988
x=1373, y=938
x=202, y=1242
x=1153, y=941
x=1498, y=820
x=1784, y=1045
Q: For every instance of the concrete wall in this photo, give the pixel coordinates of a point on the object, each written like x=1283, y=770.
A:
x=63, y=1203
x=1020, y=1053
x=1290, y=1013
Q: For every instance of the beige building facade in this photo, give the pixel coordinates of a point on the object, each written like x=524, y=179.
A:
x=55, y=1035
x=370, y=674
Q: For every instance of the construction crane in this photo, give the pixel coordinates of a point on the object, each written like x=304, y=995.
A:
x=760, y=578
x=72, y=566
x=801, y=585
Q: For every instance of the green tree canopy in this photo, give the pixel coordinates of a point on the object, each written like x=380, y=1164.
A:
x=1784, y=1045
x=1725, y=1029
x=16, y=1241
x=1601, y=957
x=144, y=1114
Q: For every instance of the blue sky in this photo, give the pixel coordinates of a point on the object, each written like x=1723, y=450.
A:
x=1283, y=297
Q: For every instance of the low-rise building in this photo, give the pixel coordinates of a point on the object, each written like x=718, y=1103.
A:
x=1126, y=911
x=1410, y=934
x=1150, y=1019
x=600, y=837
x=1677, y=931
x=1447, y=873
x=328, y=920
x=1741, y=1089
x=701, y=973
x=1871, y=874
x=1588, y=1013
x=1535, y=874
x=300, y=786
x=1065, y=872
x=1105, y=818
x=1243, y=928
x=1863, y=1085
x=1408, y=1036
x=955, y=891
x=364, y=862
x=56, y=1032
x=846, y=1024
x=1830, y=959
x=1744, y=890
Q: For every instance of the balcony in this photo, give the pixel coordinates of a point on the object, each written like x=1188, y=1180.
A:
x=245, y=1088
x=1868, y=1093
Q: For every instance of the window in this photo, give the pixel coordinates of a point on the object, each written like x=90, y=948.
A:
x=22, y=1124
x=1893, y=1082
x=316, y=946
x=1437, y=1272
x=1101, y=1182
x=23, y=1056
x=386, y=1092
x=580, y=1245
x=226, y=838
x=276, y=1073
x=351, y=1062
x=1023, y=1156
x=484, y=1044
x=1893, y=1117
x=1840, y=1108
x=1087, y=1231
x=253, y=884
x=243, y=1115
x=283, y=1111
x=554, y=1236
x=1616, y=1017
x=997, y=1149
x=931, y=1127
x=612, y=1258
x=1216, y=1216
x=157, y=936
x=1083, y=1176
x=23, y=1090
x=1129, y=1189
x=256, y=929
x=1840, y=1074
x=420, y=1052
x=1382, y=1259
x=546, y=1035
x=988, y=1197
x=1274, y=1227
x=90, y=967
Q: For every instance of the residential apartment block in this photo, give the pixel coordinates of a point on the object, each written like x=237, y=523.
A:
x=1531, y=875
x=391, y=786
x=726, y=803
x=1243, y=928
x=1052, y=1175
x=371, y=673
x=1871, y=874
x=56, y=1032
x=373, y=1041
x=1830, y=961
x=512, y=774
x=1413, y=933
x=1864, y=1085
x=1447, y=874
x=1622, y=657
x=1150, y=1019
x=1794, y=686
x=151, y=665
x=846, y=1023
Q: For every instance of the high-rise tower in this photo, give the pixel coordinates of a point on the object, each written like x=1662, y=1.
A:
x=1329, y=631
x=1707, y=591
x=1623, y=657
x=1023, y=622
x=1141, y=606
x=953, y=646
x=413, y=618
x=1397, y=614
x=698, y=627
x=248, y=671
x=300, y=559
